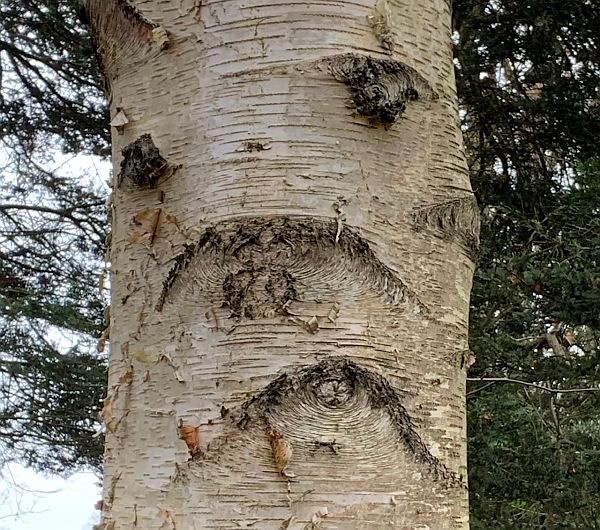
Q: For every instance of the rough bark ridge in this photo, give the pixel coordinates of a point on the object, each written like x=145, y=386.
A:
x=381, y=88
x=261, y=264
x=290, y=305
x=457, y=218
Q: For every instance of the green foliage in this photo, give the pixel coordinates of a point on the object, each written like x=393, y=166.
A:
x=49, y=401
x=528, y=79
x=49, y=78
x=523, y=475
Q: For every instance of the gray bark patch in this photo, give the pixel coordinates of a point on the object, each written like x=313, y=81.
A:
x=380, y=88
x=334, y=383
x=142, y=164
x=256, y=263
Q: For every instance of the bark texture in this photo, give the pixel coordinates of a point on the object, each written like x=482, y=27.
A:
x=291, y=266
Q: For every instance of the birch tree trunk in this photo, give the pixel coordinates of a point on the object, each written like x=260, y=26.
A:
x=292, y=253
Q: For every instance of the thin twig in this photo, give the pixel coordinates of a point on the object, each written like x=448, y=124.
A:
x=482, y=387
x=526, y=383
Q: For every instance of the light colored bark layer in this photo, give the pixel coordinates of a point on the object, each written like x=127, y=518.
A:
x=282, y=183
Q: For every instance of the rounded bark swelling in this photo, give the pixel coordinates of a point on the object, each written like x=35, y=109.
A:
x=381, y=88
x=303, y=246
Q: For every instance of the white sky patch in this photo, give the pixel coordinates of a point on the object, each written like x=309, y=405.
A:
x=97, y=170
x=32, y=501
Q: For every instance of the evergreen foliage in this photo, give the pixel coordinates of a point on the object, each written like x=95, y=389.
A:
x=528, y=77
x=52, y=230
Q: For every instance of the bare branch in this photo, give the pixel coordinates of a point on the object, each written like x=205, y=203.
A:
x=493, y=380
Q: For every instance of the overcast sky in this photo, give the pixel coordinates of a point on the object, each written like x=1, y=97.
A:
x=30, y=501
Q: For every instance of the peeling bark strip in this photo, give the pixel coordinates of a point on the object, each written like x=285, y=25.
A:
x=142, y=164
x=339, y=382
x=380, y=88
x=381, y=22
x=457, y=219
x=122, y=31
x=259, y=262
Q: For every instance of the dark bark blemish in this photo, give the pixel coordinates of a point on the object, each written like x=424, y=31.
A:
x=457, y=219
x=258, y=291
x=131, y=12
x=461, y=359
x=339, y=382
x=380, y=88
x=235, y=289
x=254, y=145
x=257, y=262
x=332, y=446
x=183, y=261
x=142, y=164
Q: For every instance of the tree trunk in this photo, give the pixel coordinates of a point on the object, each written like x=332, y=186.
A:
x=292, y=253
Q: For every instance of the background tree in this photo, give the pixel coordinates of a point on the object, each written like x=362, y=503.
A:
x=52, y=230
x=528, y=79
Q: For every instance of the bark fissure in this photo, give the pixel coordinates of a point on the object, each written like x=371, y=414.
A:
x=380, y=88
x=339, y=383
x=260, y=264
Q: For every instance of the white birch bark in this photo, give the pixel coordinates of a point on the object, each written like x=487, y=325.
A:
x=314, y=327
